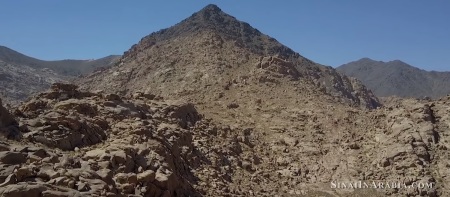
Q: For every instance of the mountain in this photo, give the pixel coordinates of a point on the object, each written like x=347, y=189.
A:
x=18, y=82
x=213, y=107
x=63, y=67
x=396, y=78
x=212, y=53
x=21, y=76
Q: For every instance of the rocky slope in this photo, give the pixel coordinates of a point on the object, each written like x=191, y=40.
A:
x=211, y=57
x=66, y=142
x=88, y=144
x=21, y=76
x=396, y=78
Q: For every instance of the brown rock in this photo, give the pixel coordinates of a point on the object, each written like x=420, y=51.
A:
x=146, y=176
x=105, y=174
x=51, y=159
x=53, y=193
x=4, y=147
x=11, y=179
x=166, y=180
x=63, y=87
x=23, y=173
x=12, y=158
x=23, y=189
x=94, y=154
x=123, y=178
x=6, y=119
x=81, y=186
x=9, y=127
x=40, y=153
x=6, y=170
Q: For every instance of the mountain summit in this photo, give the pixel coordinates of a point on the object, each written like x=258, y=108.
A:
x=213, y=20
x=211, y=9
x=211, y=50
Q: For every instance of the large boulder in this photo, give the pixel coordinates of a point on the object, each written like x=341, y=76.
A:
x=8, y=125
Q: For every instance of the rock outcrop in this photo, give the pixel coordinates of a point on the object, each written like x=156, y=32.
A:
x=90, y=144
x=8, y=125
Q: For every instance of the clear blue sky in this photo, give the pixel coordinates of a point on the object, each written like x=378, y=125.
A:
x=329, y=32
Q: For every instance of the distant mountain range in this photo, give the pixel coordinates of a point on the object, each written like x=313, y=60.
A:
x=21, y=76
x=397, y=78
x=64, y=67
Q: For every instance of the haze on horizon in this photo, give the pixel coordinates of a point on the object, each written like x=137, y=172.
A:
x=327, y=32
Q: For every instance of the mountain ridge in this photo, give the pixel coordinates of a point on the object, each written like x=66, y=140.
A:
x=22, y=76
x=70, y=67
x=397, y=78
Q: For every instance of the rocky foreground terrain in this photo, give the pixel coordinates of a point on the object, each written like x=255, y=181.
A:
x=65, y=142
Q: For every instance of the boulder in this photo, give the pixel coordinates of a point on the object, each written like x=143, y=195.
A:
x=6, y=119
x=12, y=158
x=146, y=176
x=22, y=190
x=9, y=127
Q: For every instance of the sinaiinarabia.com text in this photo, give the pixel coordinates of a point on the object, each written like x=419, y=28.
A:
x=379, y=185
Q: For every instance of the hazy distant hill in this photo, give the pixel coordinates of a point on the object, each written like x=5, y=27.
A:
x=398, y=78
x=64, y=67
x=21, y=76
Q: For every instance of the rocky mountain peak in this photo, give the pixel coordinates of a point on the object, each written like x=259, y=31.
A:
x=212, y=9
x=213, y=17
x=213, y=21
x=215, y=50
x=366, y=59
x=210, y=17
